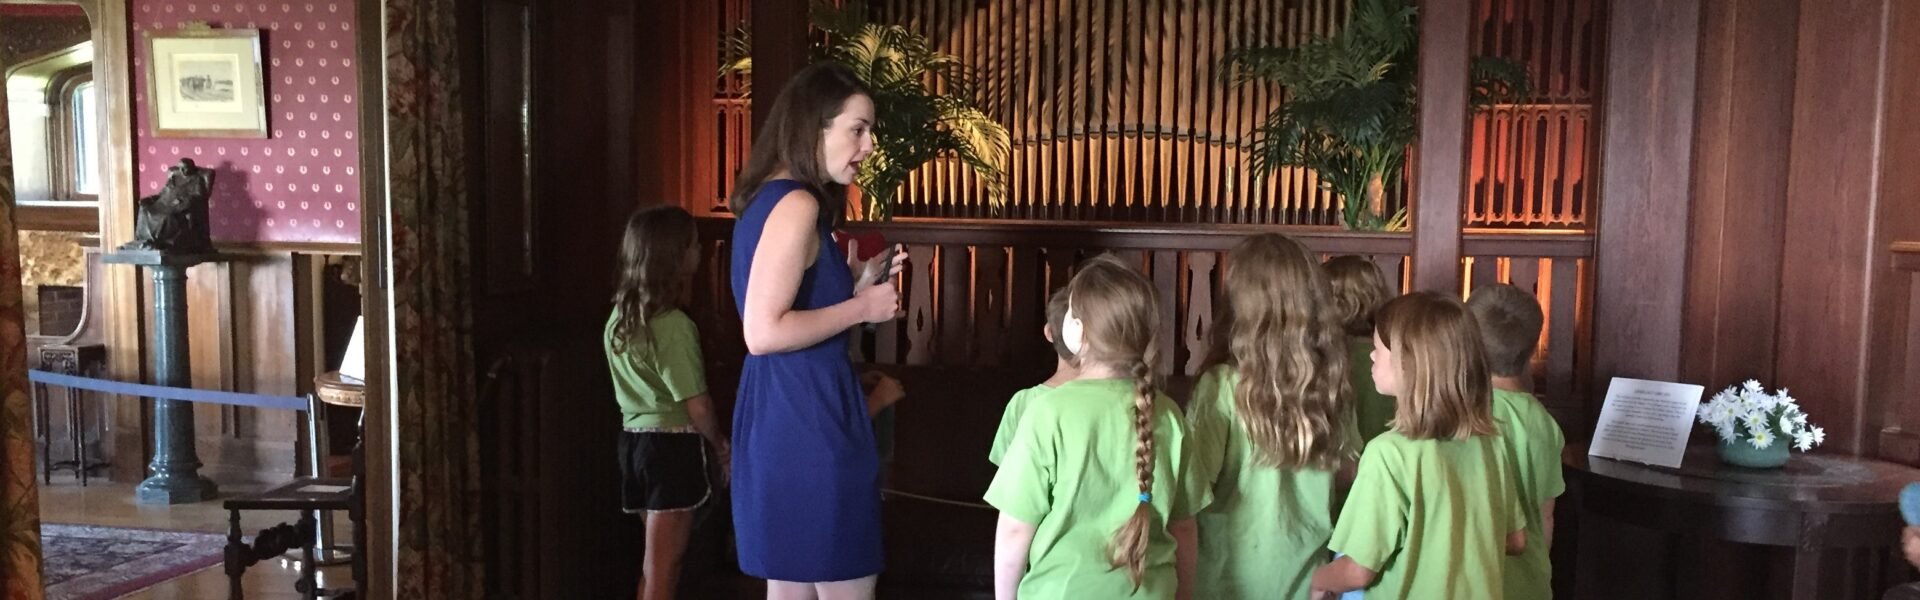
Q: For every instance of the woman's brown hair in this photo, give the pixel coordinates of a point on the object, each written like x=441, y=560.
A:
x=1278, y=333
x=1446, y=391
x=791, y=136
x=1118, y=310
x=1358, y=290
x=654, y=266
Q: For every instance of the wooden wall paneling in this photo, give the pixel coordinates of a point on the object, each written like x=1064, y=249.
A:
x=779, y=49
x=1740, y=191
x=1894, y=315
x=1441, y=171
x=1832, y=193
x=1562, y=301
x=124, y=288
x=1646, y=188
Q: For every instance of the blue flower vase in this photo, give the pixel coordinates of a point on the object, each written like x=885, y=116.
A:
x=1744, y=454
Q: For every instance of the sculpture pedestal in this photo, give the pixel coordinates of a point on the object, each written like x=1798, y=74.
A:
x=175, y=477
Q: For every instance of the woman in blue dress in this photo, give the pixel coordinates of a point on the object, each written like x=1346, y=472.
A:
x=806, y=476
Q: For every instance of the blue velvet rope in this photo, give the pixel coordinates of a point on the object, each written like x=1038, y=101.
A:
x=161, y=392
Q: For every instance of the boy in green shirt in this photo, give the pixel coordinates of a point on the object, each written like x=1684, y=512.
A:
x=1359, y=289
x=1063, y=371
x=1434, y=503
x=1510, y=321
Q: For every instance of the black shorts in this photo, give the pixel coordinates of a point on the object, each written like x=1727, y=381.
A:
x=662, y=471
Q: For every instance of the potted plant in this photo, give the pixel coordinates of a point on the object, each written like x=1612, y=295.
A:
x=924, y=100
x=1349, y=111
x=1756, y=428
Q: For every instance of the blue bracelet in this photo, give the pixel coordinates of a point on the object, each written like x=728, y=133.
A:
x=1145, y=497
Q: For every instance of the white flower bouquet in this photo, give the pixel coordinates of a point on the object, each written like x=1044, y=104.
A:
x=1748, y=414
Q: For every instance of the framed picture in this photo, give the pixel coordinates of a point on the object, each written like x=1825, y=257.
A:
x=206, y=83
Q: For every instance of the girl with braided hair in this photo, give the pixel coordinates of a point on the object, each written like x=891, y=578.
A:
x=1072, y=524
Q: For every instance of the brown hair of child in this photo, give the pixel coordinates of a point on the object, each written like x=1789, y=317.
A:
x=656, y=259
x=1510, y=321
x=1446, y=391
x=1279, y=334
x=1118, y=311
x=1056, y=314
x=1358, y=290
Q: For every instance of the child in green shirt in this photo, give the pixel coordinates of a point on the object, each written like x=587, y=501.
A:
x=1510, y=321
x=1063, y=372
x=669, y=432
x=1358, y=290
x=1075, y=521
x=1270, y=423
x=1434, y=503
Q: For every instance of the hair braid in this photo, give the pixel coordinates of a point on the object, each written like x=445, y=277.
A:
x=1129, y=545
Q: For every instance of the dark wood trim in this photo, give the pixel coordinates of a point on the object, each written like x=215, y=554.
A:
x=379, y=449
x=1645, y=192
x=82, y=217
x=1440, y=166
x=1546, y=245
x=1906, y=256
x=779, y=49
x=125, y=312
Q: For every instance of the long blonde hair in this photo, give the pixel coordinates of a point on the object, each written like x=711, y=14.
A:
x=1118, y=310
x=1446, y=391
x=1279, y=333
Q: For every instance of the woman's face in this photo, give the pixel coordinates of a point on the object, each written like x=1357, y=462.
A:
x=1386, y=368
x=848, y=140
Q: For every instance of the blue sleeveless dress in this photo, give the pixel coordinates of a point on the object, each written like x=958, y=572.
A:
x=806, y=476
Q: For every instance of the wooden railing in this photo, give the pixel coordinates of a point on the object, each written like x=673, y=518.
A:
x=974, y=292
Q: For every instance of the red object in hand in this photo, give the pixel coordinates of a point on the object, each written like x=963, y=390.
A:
x=871, y=243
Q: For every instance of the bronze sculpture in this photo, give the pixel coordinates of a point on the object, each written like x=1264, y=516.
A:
x=174, y=221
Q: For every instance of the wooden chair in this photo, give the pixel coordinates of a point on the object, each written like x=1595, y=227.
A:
x=313, y=498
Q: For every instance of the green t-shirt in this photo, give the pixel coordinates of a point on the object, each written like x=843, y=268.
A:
x=1431, y=517
x=1533, y=441
x=654, y=376
x=1263, y=530
x=1010, y=420
x=1069, y=472
x=1372, y=409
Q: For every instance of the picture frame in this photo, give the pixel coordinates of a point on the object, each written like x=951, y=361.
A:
x=206, y=83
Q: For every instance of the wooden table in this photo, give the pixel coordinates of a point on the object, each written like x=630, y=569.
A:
x=1838, y=517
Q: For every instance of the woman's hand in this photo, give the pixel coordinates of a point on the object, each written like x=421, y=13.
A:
x=877, y=270
x=882, y=391
x=877, y=303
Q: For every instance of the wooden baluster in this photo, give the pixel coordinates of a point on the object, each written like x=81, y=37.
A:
x=1026, y=306
x=1562, y=298
x=1166, y=281
x=919, y=306
x=1389, y=265
x=1199, y=322
x=955, y=310
x=990, y=339
x=1486, y=271
x=1060, y=265
x=1524, y=273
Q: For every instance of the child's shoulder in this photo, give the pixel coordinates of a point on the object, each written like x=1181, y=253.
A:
x=1521, y=406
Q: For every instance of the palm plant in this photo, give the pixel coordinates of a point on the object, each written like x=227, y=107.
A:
x=923, y=100
x=1349, y=114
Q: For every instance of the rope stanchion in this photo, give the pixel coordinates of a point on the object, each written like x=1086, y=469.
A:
x=161, y=392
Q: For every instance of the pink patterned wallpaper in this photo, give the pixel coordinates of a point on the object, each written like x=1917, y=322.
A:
x=301, y=184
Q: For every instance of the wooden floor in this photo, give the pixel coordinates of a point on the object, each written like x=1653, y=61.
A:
x=112, y=505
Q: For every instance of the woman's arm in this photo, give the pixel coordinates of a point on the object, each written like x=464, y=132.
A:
x=788, y=245
x=1010, y=545
x=1186, y=557
x=1341, y=576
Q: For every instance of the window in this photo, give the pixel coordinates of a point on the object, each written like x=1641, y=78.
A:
x=83, y=135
